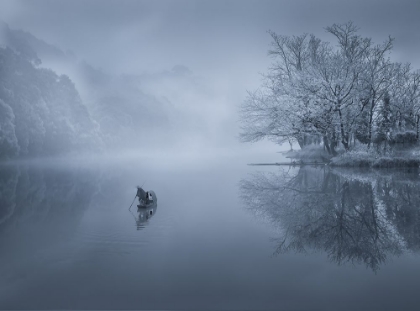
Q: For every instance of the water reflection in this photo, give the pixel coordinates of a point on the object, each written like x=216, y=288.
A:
x=40, y=211
x=357, y=217
x=144, y=214
x=32, y=197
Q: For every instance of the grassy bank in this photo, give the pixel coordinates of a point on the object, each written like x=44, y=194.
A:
x=362, y=158
x=370, y=159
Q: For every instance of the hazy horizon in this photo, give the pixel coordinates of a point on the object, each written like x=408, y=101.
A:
x=223, y=45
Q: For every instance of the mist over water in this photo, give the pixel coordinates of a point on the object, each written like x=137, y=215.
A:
x=99, y=97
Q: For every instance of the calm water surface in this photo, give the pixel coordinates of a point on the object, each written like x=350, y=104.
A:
x=223, y=236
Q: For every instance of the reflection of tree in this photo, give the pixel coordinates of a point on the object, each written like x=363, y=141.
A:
x=403, y=207
x=8, y=182
x=358, y=220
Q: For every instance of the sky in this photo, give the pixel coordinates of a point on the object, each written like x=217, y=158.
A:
x=206, y=36
x=225, y=42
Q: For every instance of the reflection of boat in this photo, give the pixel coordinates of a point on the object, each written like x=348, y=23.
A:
x=149, y=201
x=145, y=213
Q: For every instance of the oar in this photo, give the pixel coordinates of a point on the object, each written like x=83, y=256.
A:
x=132, y=202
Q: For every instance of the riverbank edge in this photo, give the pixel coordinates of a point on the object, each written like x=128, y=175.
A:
x=355, y=159
x=367, y=160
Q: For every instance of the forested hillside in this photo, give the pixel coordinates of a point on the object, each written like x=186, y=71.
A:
x=51, y=103
x=41, y=113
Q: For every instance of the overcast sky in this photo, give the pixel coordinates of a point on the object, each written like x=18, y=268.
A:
x=225, y=41
x=215, y=37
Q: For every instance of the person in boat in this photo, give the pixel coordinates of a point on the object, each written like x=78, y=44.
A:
x=142, y=195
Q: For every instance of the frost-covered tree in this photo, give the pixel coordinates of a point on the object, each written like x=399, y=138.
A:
x=337, y=79
x=376, y=80
x=404, y=95
x=384, y=122
x=330, y=92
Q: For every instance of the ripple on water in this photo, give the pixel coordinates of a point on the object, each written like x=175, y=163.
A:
x=124, y=232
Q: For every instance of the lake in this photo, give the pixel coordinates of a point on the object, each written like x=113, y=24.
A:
x=224, y=235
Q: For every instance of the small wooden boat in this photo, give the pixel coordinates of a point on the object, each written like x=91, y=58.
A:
x=150, y=201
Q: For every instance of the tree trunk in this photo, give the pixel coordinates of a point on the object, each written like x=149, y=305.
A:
x=329, y=145
x=326, y=144
x=300, y=142
x=370, y=123
x=344, y=136
x=291, y=145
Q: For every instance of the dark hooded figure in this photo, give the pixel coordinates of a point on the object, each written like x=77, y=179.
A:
x=143, y=197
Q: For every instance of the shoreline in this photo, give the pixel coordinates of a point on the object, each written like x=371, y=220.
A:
x=350, y=159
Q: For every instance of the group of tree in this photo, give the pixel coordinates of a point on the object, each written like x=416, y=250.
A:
x=334, y=94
